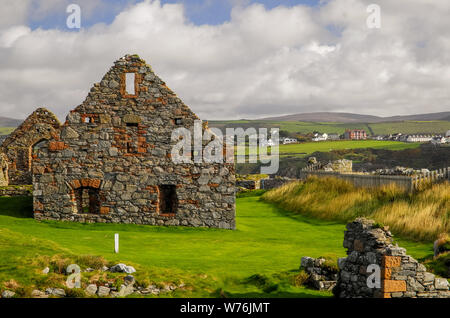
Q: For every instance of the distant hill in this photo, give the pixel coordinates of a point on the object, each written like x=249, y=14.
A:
x=9, y=122
x=357, y=118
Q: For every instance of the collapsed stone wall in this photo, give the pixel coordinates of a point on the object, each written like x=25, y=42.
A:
x=401, y=275
x=273, y=183
x=16, y=191
x=112, y=160
x=20, y=146
x=321, y=276
x=248, y=184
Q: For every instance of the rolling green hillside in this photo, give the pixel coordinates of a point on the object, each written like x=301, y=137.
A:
x=6, y=130
x=405, y=127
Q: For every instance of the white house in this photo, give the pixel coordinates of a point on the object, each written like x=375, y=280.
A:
x=320, y=137
x=438, y=140
x=289, y=141
x=419, y=138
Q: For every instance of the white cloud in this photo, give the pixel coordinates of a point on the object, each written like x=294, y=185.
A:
x=262, y=62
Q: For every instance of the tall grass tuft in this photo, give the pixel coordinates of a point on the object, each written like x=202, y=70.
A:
x=419, y=216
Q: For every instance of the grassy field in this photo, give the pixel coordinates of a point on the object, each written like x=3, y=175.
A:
x=304, y=149
x=420, y=216
x=6, y=130
x=405, y=127
x=267, y=246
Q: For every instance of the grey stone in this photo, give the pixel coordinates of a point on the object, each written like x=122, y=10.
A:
x=38, y=294
x=8, y=294
x=57, y=292
x=91, y=289
x=103, y=291
x=441, y=284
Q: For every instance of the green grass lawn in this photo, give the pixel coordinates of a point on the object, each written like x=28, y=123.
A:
x=304, y=149
x=268, y=241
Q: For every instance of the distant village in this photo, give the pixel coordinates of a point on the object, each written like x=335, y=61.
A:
x=360, y=134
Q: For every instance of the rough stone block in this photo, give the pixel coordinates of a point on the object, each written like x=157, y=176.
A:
x=391, y=286
x=391, y=261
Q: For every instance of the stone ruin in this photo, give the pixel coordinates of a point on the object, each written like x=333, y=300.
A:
x=340, y=166
x=21, y=145
x=401, y=275
x=111, y=162
x=321, y=276
x=4, y=180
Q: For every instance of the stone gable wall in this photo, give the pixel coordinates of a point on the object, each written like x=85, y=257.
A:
x=118, y=147
x=401, y=275
x=4, y=179
x=18, y=146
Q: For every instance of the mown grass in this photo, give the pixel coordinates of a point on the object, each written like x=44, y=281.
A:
x=420, y=216
x=259, y=259
x=211, y=262
x=304, y=149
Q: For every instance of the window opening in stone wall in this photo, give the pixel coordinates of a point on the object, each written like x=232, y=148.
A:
x=88, y=200
x=178, y=121
x=34, y=152
x=130, y=88
x=168, y=202
x=132, y=125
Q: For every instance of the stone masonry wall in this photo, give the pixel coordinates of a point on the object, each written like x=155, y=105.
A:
x=4, y=179
x=321, y=276
x=16, y=191
x=19, y=146
x=401, y=275
x=112, y=160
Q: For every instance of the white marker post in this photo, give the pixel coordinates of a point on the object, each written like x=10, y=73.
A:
x=116, y=243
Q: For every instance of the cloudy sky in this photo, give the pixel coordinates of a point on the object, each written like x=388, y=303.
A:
x=232, y=59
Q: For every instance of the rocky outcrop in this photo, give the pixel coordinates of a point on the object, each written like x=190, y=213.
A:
x=369, y=247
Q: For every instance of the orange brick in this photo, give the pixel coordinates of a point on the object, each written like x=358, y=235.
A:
x=391, y=261
x=56, y=146
x=94, y=183
x=386, y=273
x=85, y=182
x=76, y=184
x=104, y=210
x=393, y=286
x=386, y=295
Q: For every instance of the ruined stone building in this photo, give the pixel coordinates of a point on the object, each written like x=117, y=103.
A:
x=111, y=161
x=4, y=179
x=21, y=145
